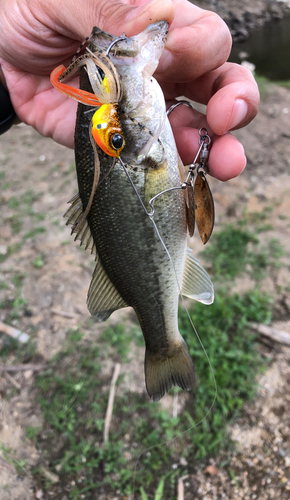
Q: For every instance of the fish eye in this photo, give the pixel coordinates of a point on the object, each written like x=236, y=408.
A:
x=117, y=141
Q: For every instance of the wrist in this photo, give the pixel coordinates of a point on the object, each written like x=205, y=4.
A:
x=7, y=113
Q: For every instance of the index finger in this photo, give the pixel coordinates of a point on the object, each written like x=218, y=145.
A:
x=198, y=42
x=230, y=92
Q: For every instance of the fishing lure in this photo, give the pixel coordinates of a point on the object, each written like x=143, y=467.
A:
x=200, y=205
x=106, y=126
x=105, y=130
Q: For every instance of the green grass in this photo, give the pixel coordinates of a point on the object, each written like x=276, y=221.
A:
x=74, y=401
x=116, y=340
x=73, y=391
x=224, y=332
x=19, y=464
x=21, y=208
x=34, y=232
x=159, y=491
x=235, y=251
x=18, y=304
x=39, y=261
x=265, y=84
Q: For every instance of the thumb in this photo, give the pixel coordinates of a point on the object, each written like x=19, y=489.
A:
x=76, y=19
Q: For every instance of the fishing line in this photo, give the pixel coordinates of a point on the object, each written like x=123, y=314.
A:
x=204, y=350
x=150, y=215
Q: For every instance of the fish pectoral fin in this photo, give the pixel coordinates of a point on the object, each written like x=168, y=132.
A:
x=163, y=370
x=82, y=232
x=196, y=283
x=103, y=298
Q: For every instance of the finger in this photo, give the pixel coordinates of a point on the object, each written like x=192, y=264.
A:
x=226, y=157
x=198, y=42
x=236, y=101
x=38, y=104
x=114, y=16
x=50, y=31
x=230, y=92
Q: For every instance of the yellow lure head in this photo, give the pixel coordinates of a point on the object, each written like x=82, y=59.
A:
x=107, y=130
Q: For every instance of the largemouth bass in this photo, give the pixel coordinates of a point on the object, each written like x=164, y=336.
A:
x=132, y=266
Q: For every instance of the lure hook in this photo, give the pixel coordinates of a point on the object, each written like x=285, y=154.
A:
x=113, y=43
x=179, y=103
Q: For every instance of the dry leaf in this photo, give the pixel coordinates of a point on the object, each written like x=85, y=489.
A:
x=211, y=469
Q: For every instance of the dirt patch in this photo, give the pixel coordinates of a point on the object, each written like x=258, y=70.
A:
x=45, y=277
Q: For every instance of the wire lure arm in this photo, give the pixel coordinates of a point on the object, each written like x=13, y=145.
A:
x=201, y=204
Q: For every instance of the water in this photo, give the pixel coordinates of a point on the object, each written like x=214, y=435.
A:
x=269, y=49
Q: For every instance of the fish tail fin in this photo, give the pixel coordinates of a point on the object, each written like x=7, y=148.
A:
x=162, y=371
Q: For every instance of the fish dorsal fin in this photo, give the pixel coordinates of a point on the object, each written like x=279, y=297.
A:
x=103, y=298
x=196, y=283
x=82, y=233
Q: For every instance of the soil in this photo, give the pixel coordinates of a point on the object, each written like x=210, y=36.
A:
x=54, y=274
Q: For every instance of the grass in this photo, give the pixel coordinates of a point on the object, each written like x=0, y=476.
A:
x=235, y=250
x=8, y=454
x=39, y=261
x=116, y=341
x=73, y=391
x=73, y=395
x=21, y=208
x=265, y=84
x=18, y=304
x=159, y=491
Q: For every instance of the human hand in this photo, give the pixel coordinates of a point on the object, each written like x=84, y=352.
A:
x=36, y=38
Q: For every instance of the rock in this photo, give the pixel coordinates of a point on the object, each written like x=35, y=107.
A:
x=244, y=17
x=276, y=11
x=3, y=249
x=240, y=35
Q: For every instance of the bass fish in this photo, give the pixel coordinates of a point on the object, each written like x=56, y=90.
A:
x=125, y=156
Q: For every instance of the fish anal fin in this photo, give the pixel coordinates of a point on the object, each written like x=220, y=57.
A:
x=196, y=283
x=103, y=298
x=163, y=370
x=82, y=231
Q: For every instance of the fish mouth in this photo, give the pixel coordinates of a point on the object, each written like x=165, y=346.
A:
x=128, y=47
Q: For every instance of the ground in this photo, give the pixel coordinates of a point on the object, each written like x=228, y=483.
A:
x=44, y=280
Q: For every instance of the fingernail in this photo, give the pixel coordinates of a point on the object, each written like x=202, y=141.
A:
x=239, y=113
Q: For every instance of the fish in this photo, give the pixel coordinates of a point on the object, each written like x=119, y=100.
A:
x=142, y=259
